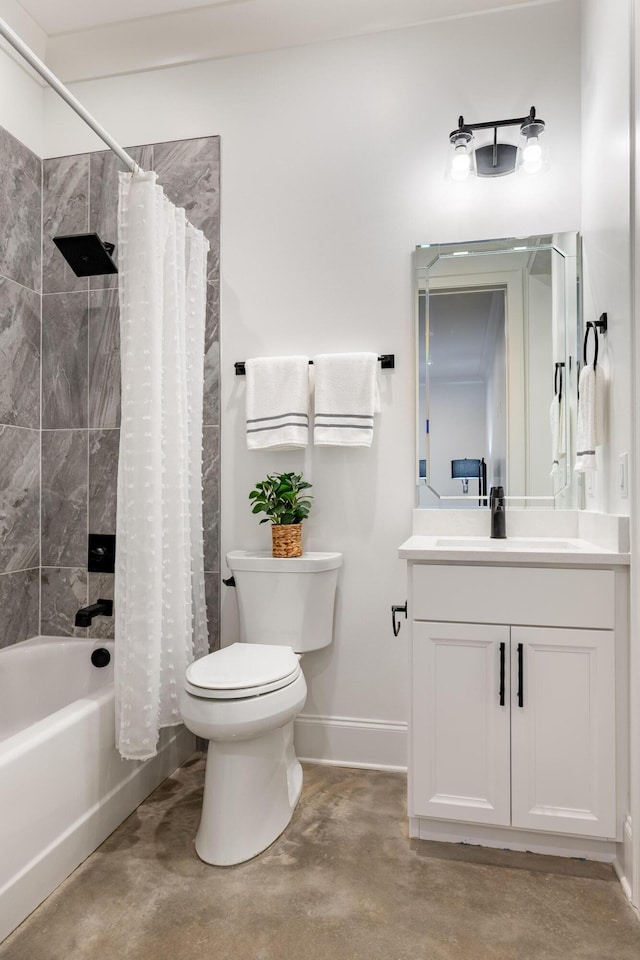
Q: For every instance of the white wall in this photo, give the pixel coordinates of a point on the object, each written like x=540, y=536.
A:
x=606, y=222
x=21, y=94
x=631, y=850
x=457, y=429
x=539, y=374
x=496, y=410
x=332, y=171
x=609, y=52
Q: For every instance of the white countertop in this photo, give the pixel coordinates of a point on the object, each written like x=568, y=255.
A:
x=562, y=551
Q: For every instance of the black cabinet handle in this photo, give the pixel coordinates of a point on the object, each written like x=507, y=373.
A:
x=397, y=608
x=503, y=648
x=520, y=675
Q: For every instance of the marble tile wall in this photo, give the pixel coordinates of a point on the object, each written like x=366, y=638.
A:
x=81, y=372
x=20, y=303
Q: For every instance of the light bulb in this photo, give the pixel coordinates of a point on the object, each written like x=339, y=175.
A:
x=532, y=156
x=461, y=163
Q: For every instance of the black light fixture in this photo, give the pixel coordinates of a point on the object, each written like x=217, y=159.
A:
x=498, y=159
x=465, y=470
x=87, y=254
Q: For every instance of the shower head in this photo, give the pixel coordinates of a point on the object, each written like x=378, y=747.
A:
x=86, y=254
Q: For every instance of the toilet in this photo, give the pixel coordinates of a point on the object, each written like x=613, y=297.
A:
x=244, y=698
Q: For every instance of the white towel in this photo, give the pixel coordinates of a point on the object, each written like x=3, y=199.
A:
x=590, y=431
x=558, y=446
x=277, y=403
x=346, y=398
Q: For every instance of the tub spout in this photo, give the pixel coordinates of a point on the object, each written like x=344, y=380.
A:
x=103, y=608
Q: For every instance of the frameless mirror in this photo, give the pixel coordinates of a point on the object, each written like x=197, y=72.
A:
x=498, y=327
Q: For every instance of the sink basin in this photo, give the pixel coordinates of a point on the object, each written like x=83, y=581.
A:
x=511, y=543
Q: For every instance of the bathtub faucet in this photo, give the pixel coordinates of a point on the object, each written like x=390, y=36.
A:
x=103, y=608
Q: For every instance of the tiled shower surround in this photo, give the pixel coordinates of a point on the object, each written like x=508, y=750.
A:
x=59, y=437
x=20, y=280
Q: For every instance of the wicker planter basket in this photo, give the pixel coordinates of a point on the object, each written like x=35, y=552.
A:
x=286, y=539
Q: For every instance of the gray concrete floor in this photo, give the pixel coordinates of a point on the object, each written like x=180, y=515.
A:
x=342, y=883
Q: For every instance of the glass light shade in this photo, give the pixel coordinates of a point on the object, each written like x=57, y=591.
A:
x=533, y=152
x=461, y=164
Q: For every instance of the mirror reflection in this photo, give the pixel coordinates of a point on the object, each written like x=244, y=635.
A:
x=497, y=334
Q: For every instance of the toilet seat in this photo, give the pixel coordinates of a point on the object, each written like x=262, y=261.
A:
x=242, y=670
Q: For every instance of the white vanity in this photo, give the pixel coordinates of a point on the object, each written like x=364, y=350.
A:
x=518, y=656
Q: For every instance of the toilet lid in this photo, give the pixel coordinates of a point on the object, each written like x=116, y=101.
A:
x=242, y=670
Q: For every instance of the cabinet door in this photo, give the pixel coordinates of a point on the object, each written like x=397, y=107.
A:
x=459, y=767
x=563, y=730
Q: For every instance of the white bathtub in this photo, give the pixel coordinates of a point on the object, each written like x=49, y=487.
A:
x=63, y=786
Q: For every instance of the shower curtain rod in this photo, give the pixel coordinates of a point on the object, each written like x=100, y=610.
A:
x=21, y=47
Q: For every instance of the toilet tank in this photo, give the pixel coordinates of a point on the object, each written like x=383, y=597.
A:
x=285, y=601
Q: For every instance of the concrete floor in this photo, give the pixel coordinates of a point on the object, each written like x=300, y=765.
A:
x=342, y=883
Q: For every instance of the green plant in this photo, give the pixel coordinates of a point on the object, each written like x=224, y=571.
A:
x=281, y=497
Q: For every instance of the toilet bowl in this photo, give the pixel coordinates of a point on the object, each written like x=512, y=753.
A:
x=244, y=698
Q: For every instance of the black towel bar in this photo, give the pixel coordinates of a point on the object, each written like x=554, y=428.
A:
x=387, y=362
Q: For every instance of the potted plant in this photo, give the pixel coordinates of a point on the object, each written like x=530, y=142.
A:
x=281, y=496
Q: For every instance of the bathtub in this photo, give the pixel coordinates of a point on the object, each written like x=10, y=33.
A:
x=63, y=786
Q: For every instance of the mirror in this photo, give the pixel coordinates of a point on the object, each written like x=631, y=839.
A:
x=498, y=328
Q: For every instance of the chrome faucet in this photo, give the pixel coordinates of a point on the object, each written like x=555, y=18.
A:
x=498, y=515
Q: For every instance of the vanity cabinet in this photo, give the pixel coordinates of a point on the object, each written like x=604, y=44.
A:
x=513, y=715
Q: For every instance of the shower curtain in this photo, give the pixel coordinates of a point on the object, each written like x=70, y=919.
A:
x=160, y=613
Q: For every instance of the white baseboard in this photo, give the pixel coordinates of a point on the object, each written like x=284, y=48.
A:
x=508, y=838
x=352, y=742
x=58, y=861
x=623, y=862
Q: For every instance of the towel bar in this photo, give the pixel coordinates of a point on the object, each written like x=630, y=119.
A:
x=387, y=362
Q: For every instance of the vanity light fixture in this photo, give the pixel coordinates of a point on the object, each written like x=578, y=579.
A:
x=498, y=159
x=465, y=470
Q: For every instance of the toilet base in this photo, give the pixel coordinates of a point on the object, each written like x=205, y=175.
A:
x=250, y=792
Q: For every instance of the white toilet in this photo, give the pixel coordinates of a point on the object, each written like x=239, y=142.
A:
x=243, y=699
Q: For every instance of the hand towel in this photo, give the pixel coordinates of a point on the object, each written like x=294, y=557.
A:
x=346, y=398
x=590, y=429
x=558, y=446
x=277, y=403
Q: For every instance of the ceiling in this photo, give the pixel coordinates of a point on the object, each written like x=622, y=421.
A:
x=94, y=39
x=66, y=16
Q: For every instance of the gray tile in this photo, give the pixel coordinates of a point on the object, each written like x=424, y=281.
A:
x=212, y=595
x=64, y=498
x=65, y=210
x=64, y=360
x=104, y=358
x=189, y=171
x=103, y=480
x=63, y=592
x=103, y=203
x=19, y=606
x=210, y=493
x=211, y=398
x=19, y=498
x=101, y=588
x=19, y=355
x=20, y=212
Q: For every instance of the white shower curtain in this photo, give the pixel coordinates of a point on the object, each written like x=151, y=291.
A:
x=160, y=613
